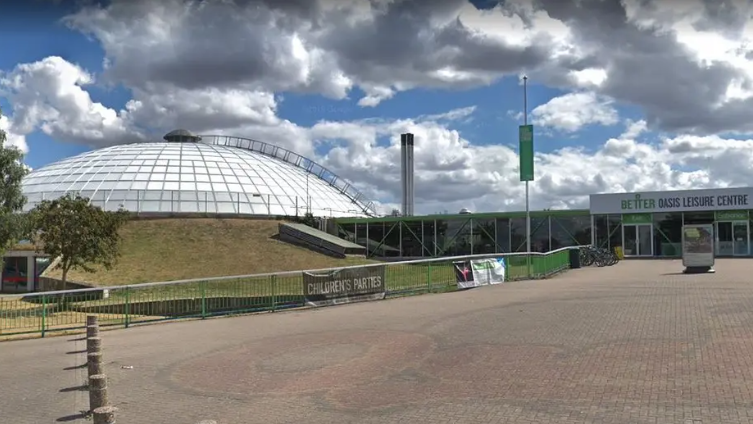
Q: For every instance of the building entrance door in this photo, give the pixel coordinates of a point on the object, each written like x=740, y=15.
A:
x=638, y=240
x=724, y=245
x=733, y=238
x=740, y=236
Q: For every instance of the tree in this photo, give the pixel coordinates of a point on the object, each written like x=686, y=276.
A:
x=80, y=234
x=12, y=200
x=310, y=220
x=14, y=227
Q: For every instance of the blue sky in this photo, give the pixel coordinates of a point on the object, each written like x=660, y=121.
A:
x=36, y=35
x=599, y=125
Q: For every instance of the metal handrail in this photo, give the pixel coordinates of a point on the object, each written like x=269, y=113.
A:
x=302, y=162
x=286, y=273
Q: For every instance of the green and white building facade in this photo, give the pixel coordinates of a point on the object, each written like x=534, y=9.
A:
x=645, y=224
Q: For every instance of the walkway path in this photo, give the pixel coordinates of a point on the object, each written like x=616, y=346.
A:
x=635, y=343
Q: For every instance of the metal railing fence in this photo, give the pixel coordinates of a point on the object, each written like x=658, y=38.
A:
x=201, y=298
x=204, y=202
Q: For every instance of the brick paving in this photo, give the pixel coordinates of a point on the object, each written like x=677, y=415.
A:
x=635, y=343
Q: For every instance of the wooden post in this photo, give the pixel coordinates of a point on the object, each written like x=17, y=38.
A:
x=94, y=363
x=92, y=331
x=104, y=415
x=92, y=320
x=97, y=391
x=93, y=344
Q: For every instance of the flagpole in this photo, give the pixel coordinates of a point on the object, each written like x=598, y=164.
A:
x=528, y=209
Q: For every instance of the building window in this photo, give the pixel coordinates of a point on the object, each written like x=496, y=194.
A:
x=570, y=231
x=15, y=274
x=391, y=240
x=453, y=237
x=668, y=234
x=347, y=232
x=518, y=234
x=503, y=235
x=483, y=236
x=608, y=231
x=698, y=217
x=413, y=245
x=540, y=234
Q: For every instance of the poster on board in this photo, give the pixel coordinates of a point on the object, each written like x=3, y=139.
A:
x=345, y=285
x=480, y=272
x=698, y=245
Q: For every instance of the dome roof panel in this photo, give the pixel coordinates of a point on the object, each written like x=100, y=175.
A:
x=197, y=178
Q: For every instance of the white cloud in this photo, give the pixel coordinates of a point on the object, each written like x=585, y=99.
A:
x=523, y=28
x=451, y=171
x=713, y=33
x=634, y=129
x=50, y=95
x=167, y=55
x=375, y=95
x=11, y=138
x=591, y=78
x=327, y=47
x=462, y=114
x=574, y=111
x=331, y=47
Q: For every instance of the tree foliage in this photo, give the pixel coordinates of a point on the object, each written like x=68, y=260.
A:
x=307, y=219
x=13, y=226
x=310, y=220
x=80, y=234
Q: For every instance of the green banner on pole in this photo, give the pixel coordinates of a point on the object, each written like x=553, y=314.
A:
x=525, y=151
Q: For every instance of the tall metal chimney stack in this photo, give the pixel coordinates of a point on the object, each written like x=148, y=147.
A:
x=406, y=172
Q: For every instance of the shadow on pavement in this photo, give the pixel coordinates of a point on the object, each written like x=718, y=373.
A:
x=68, y=418
x=81, y=388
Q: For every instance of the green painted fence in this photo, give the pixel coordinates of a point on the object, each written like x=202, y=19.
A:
x=129, y=305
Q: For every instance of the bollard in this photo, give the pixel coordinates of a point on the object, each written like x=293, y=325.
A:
x=97, y=391
x=105, y=415
x=94, y=363
x=93, y=344
x=92, y=320
x=92, y=331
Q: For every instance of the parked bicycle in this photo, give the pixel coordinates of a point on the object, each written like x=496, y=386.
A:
x=591, y=255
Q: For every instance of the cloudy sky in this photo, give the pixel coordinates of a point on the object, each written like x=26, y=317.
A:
x=629, y=95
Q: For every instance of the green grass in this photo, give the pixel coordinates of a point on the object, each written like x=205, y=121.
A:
x=179, y=249
x=139, y=303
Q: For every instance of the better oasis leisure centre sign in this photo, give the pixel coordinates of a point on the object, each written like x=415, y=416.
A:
x=673, y=201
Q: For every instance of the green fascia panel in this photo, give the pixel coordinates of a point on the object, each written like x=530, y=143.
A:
x=489, y=215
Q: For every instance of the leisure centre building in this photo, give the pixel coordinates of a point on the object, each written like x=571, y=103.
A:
x=643, y=224
x=187, y=175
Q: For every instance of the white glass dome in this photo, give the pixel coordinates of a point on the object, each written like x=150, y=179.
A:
x=218, y=175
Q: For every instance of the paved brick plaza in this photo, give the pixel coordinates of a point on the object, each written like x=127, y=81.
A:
x=635, y=343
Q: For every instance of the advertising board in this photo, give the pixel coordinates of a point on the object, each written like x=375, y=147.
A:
x=698, y=245
x=480, y=272
x=345, y=285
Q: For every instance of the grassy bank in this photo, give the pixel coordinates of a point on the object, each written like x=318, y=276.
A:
x=177, y=249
